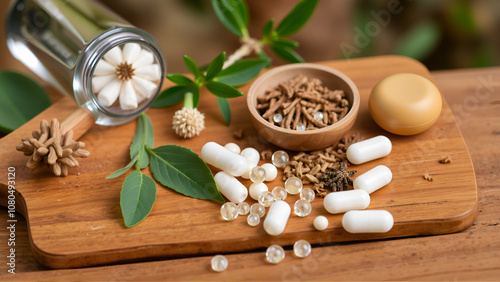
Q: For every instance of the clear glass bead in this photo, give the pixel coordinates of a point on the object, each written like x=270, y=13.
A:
x=302, y=208
x=253, y=219
x=301, y=127
x=258, y=174
x=243, y=208
x=280, y=158
x=279, y=193
x=229, y=211
x=302, y=248
x=219, y=263
x=275, y=254
x=277, y=118
x=293, y=185
x=307, y=194
x=266, y=199
x=258, y=209
x=318, y=116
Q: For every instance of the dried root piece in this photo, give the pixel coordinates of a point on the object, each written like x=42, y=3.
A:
x=302, y=103
x=445, y=159
x=428, y=177
x=319, y=167
x=50, y=147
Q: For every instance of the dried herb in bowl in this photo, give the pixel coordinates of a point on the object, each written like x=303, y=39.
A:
x=303, y=103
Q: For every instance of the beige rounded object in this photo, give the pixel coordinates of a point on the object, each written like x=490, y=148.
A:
x=405, y=103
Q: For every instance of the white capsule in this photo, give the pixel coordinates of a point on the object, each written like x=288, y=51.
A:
x=369, y=149
x=277, y=217
x=233, y=148
x=369, y=221
x=339, y=202
x=251, y=155
x=230, y=187
x=271, y=171
x=224, y=159
x=373, y=179
x=256, y=189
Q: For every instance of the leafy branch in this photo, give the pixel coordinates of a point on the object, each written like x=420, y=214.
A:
x=173, y=166
x=223, y=75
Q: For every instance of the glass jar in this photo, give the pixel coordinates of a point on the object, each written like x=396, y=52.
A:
x=63, y=42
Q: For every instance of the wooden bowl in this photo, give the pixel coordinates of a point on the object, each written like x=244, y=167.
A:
x=310, y=139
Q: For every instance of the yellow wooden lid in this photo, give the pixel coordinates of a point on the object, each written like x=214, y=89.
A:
x=405, y=103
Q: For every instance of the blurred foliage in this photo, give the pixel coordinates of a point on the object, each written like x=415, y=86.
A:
x=441, y=34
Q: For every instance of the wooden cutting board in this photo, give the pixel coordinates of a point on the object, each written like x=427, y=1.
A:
x=76, y=221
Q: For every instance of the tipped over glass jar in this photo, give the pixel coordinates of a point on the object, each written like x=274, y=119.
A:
x=86, y=51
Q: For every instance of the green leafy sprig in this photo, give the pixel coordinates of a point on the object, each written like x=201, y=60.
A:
x=176, y=167
x=219, y=82
x=222, y=75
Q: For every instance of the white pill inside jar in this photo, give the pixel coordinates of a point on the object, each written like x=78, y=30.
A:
x=339, y=202
x=271, y=171
x=368, y=221
x=256, y=189
x=230, y=187
x=224, y=159
x=233, y=147
x=373, y=179
x=369, y=149
x=277, y=218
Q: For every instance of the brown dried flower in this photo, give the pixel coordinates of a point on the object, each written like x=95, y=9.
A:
x=51, y=147
x=338, y=179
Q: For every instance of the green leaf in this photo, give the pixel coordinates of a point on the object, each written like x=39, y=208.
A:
x=264, y=56
x=241, y=72
x=137, y=197
x=223, y=90
x=21, y=99
x=233, y=14
x=267, y=28
x=225, y=109
x=192, y=66
x=461, y=14
x=299, y=15
x=215, y=66
x=286, y=53
x=285, y=42
x=420, y=41
x=144, y=136
x=184, y=171
x=196, y=96
x=171, y=96
x=179, y=79
x=121, y=171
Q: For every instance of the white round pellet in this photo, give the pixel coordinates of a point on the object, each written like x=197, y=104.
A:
x=271, y=171
x=251, y=155
x=233, y=147
x=256, y=189
x=320, y=223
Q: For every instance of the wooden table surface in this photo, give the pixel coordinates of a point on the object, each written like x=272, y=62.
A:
x=473, y=254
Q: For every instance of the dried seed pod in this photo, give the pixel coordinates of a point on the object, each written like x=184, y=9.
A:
x=48, y=146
